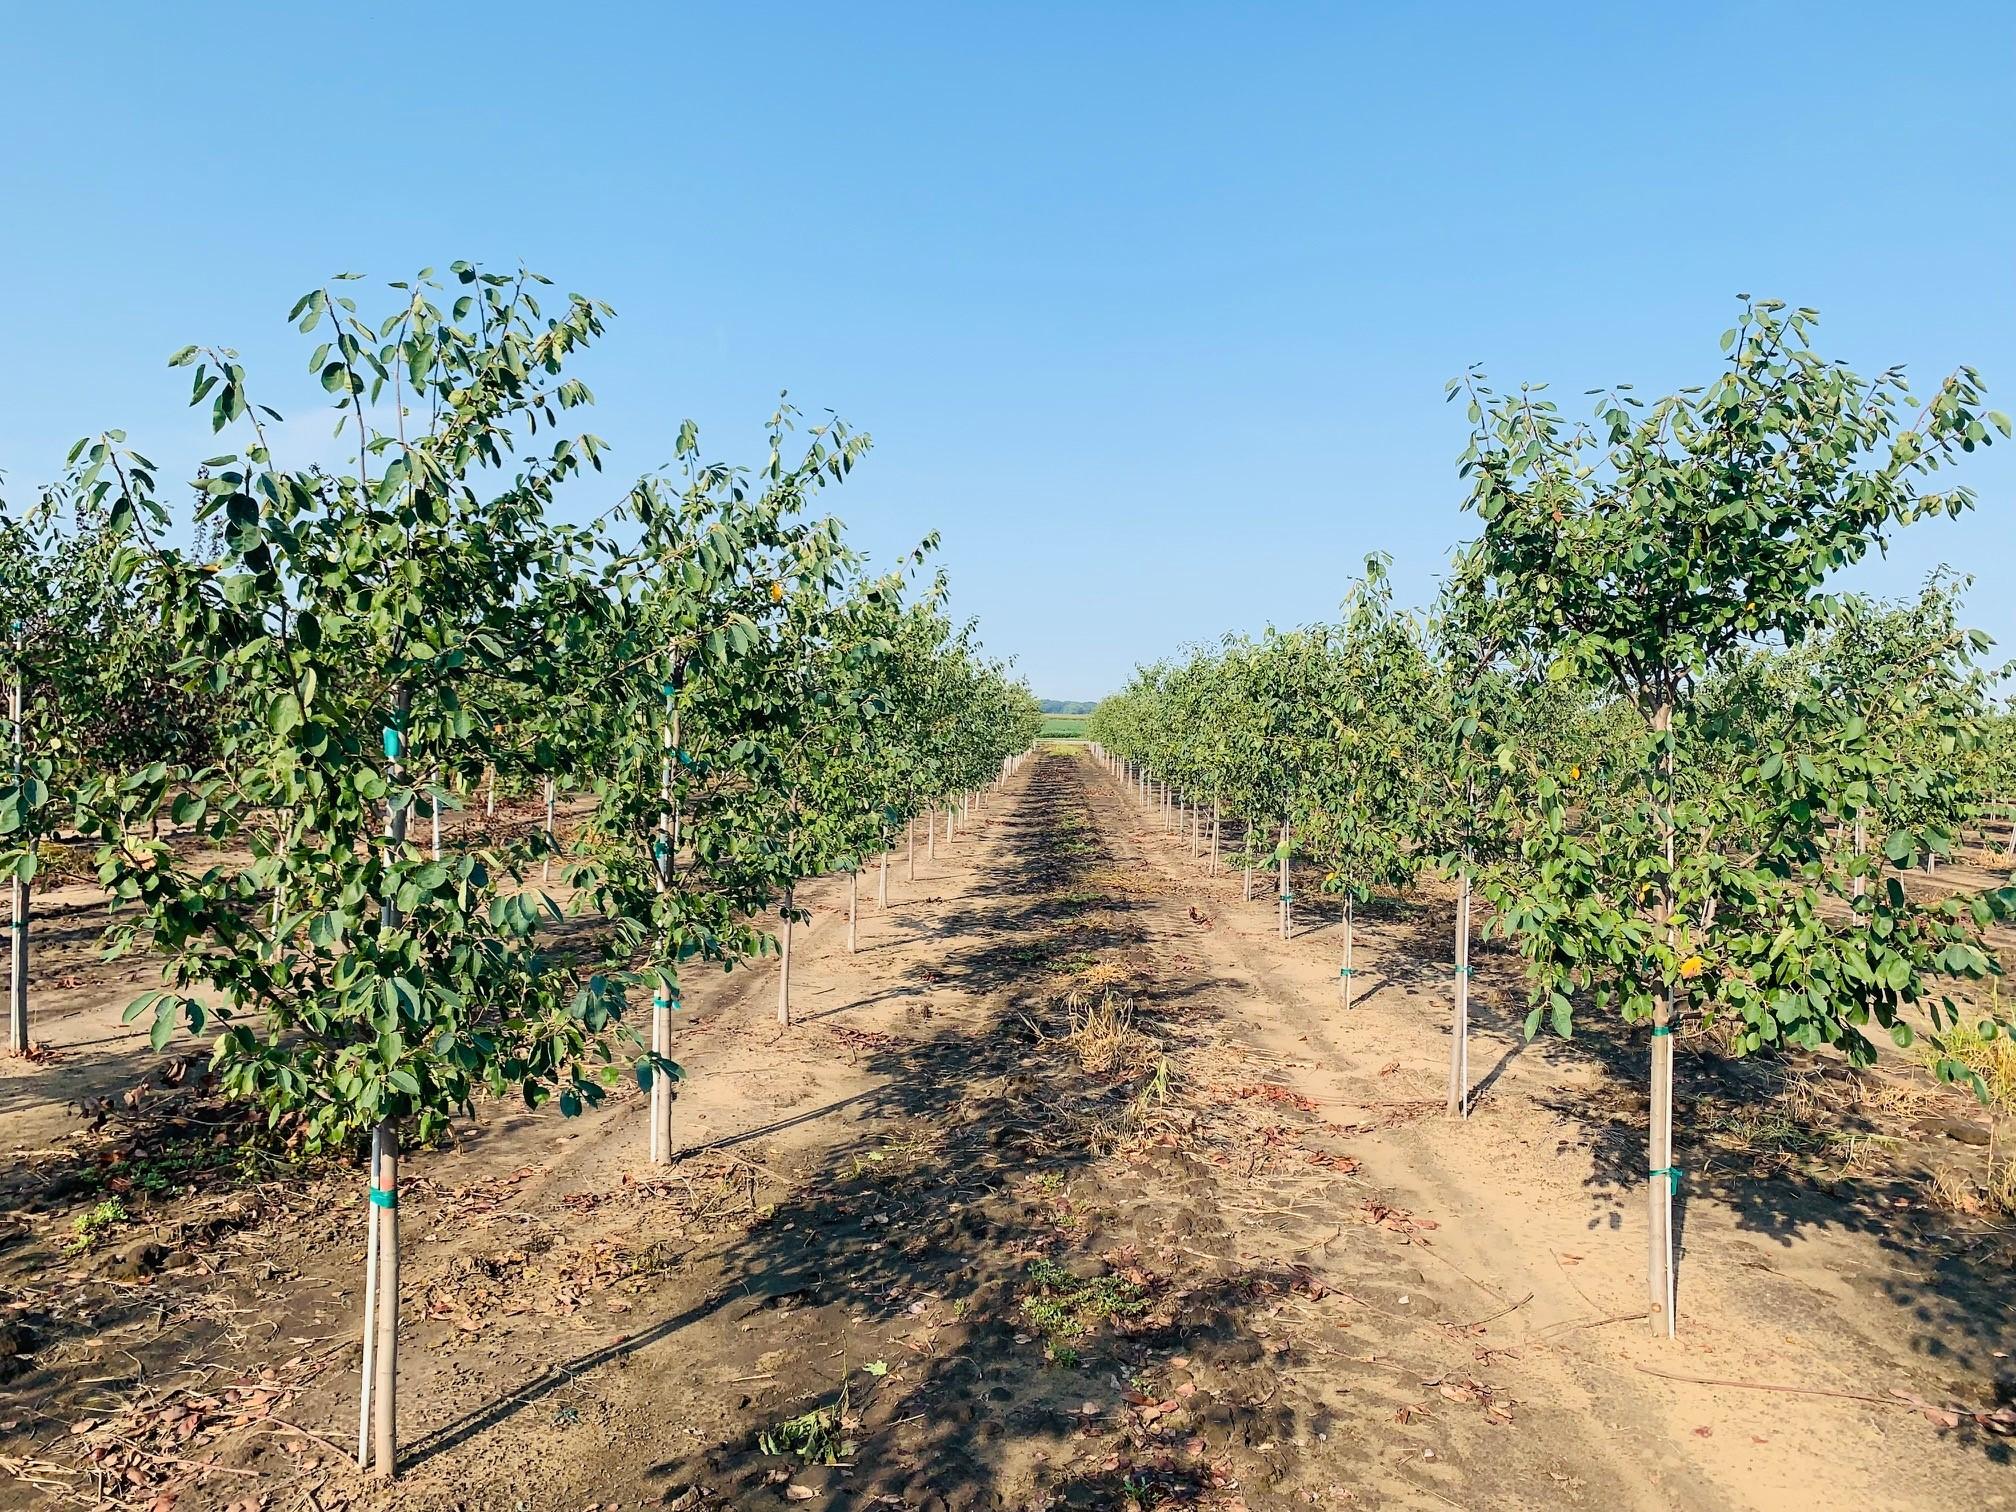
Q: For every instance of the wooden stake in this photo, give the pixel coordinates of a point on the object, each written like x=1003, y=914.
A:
x=385, y=1383
x=371, y=1232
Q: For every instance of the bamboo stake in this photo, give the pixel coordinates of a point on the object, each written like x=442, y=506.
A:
x=385, y=1385
x=370, y=1313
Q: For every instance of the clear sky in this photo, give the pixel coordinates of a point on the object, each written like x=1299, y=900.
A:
x=1148, y=306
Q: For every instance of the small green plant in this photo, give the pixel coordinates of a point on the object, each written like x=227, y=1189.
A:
x=1065, y=1307
x=1990, y=1061
x=89, y=1228
x=816, y=1437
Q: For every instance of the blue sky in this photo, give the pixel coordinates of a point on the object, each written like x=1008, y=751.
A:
x=1148, y=307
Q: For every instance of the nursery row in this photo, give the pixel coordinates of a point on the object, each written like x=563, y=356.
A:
x=1687, y=777
x=237, y=704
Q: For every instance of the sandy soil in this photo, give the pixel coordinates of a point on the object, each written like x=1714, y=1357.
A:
x=1074, y=1186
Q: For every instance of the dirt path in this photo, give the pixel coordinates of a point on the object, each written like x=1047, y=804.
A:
x=1852, y=1286
x=1073, y=1187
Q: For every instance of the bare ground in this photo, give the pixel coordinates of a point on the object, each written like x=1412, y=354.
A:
x=1075, y=1186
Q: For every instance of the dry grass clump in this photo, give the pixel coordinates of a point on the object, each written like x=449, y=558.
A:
x=1105, y=1038
x=1962, y=1192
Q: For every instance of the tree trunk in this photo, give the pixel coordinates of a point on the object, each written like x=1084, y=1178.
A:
x=1857, y=887
x=384, y=1364
x=546, y=874
x=1662, y=1178
x=1287, y=896
x=434, y=813
x=17, y=975
x=910, y=830
x=659, y=1133
x=853, y=904
x=1217, y=822
x=1459, y=1028
x=784, y=965
x=931, y=835
x=882, y=886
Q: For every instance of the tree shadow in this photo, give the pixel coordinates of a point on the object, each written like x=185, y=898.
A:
x=985, y=1159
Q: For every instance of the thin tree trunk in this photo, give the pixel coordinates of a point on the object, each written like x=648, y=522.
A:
x=1216, y=824
x=784, y=966
x=1858, y=886
x=434, y=812
x=17, y=975
x=1459, y=1029
x=664, y=858
x=882, y=886
x=1287, y=896
x=1346, y=972
x=931, y=836
x=546, y=874
x=385, y=1167
x=1662, y=1178
x=910, y=831
x=853, y=904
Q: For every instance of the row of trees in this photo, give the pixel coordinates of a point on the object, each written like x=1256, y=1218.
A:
x=1683, y=772
x=242, y=707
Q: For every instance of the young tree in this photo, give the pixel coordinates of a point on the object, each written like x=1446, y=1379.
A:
x=356, y=985
x=1644, y=553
